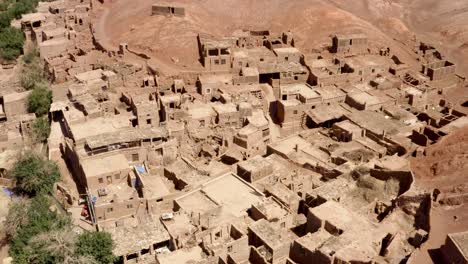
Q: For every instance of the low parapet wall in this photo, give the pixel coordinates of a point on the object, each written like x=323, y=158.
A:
x=167, y=10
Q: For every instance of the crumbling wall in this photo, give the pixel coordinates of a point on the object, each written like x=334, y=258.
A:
x=419, y=206
x=451, y=252
x=304, y=255
x=405, y=178
x=167, y=10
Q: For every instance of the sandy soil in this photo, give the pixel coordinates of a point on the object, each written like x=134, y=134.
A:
x=444, y=23
x=174, y=39
x=444, y=167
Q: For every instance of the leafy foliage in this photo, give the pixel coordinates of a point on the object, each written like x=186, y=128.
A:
x=39, y=219
x=17, y=217
x=98, y=245
x=40, y=99
x=11, y=42
x=31, y=55
x=56, y=246
x=32, y=74
x=35, y=175
x=12, y=39
x=41, y=129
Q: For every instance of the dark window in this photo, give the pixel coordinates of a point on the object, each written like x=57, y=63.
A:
x=213, y=52
x=101, y=180
x=135, y=157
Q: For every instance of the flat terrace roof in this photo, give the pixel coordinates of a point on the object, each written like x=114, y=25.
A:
x=265, y=68
x=300, y=88
x=97, y=126
x=254, y=164
x=376, y=122
x=286, y=50
x=461, y=241
x=89, y=75
x=457, y=124
x=12, y=97
x=369, y=60
x=197, y=202
x=348, y=126
x=288, y=145
x=224, y=108
x=200, y=111
x=270, y=235
x=96, y=166
x=215, y=78
x=131, y=239
x=32, y=17
x=323, y=113
x=365, y=98
x=236, y=199
x=124, y=135
x=182, y=256
x=329, y=92
x=351, y=36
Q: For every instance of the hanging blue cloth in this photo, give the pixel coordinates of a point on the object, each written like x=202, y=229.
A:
x=140, y=169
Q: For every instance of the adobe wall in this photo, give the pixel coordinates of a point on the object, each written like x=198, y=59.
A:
x=451, y=252
x=405, y=178
x=167, y=10
x=418, y=205
x=115, y=210
x=301, y=254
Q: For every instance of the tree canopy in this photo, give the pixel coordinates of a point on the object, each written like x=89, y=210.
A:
x=98, y=245
x=41, y=129
x=39, y=219
x=34, y=174
x=12, y=39
x=11, y=42
x=39, y=100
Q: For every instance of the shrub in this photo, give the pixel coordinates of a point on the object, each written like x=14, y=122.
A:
x=32, y=75
x=97, y=245
x=17, y=217
x=40, y=219
x=40, y=99
x=31, y=55
x=35, y=175
x=11, y=42
x=41, y=129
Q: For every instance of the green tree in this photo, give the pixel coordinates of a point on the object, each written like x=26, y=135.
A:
x=17, y=217
x=97, y=245
x=11, y=42
x=56, y=246
x=39, y=100
x=41, y=129
x=35, y=175
x=5, y=19
x=40, y=219
x=32, y=74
